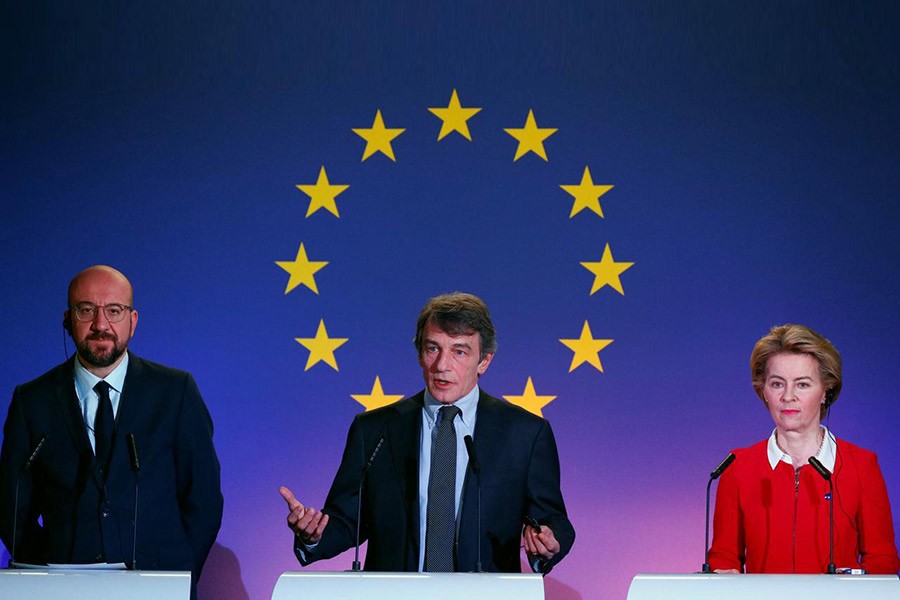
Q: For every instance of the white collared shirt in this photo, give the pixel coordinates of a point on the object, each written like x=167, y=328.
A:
x=87, y=397
x=827, y=452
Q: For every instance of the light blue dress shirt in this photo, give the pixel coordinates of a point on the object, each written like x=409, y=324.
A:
x=87, y=397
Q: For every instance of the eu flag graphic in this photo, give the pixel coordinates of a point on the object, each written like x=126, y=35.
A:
x=449, y=163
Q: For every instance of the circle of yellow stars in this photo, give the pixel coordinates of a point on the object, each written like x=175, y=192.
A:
x=455, y=119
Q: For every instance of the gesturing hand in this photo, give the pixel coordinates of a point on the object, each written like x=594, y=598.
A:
x=306, y=522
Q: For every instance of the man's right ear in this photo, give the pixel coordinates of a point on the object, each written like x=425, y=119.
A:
x=67, y=324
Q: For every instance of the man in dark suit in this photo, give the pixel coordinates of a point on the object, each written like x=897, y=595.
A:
x=405, y=487
x=76, y=502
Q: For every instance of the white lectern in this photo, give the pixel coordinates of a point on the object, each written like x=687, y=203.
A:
x=708, y=586
x=76, y=584
x=365, y=585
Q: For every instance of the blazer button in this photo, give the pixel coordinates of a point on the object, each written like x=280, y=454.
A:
x=105, y=514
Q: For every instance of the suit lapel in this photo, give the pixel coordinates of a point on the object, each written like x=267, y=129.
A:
x=488, y=433
x=70, y=408
x=488, y=426
x=403, y=433
x=129, y=402
x=72, y=415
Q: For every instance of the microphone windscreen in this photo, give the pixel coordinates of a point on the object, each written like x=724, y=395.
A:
x=473, y=460
x=722, y=466
x=820, y=468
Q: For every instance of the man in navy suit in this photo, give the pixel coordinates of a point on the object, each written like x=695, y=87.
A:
x=76, y=501
x=516, y=452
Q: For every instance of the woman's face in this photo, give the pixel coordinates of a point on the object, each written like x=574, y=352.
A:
x=794, y=391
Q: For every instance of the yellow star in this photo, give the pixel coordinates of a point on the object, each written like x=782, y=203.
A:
x=529, y=400
x=302, y=270
x=378, y=138
x=586, y=348
x=531, y=139
x=322, y=194
x=454, y=118
x=607, y=271
x=321, y=347
x=377, y=398
x=586, y=194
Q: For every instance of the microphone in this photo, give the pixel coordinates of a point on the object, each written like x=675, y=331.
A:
x=476, y=469
x=716, y=473
x=362, y=479
x=726, y=462
x=26, y=466
x=820, y=468
x=136, y=467
x=826, y=475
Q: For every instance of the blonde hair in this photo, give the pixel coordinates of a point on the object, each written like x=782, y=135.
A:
x=798, y=339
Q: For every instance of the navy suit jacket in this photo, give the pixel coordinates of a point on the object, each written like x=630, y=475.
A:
x=519, y=464
x=180, y=507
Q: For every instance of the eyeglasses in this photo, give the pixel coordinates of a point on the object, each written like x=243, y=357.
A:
x=88, y=312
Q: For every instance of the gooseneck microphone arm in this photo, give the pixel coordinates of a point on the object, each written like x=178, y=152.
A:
x=476, y=469
x=826, y=475
x=717, y=472
x=362, y=479
x=136, y=467
x=26, y=466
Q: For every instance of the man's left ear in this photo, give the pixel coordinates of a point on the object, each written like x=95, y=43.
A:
x=485, y=362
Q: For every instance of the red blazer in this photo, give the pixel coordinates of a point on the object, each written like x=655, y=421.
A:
x=769, y=522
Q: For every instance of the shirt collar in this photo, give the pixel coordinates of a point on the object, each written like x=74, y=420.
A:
x=827, y=453
x=85, y=380
x=467, y=405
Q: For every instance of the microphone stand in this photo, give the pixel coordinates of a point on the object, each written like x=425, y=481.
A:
x=717, y=472
x=25, y=468
x=356, y=564
x=705, y=568
x=476, y=469
x=826, y=475
x=136, y=467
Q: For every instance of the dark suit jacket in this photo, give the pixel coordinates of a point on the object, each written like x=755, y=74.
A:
x=180, y=507
x=519, y=476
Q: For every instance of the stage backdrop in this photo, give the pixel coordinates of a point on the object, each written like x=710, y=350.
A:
x=638, y=191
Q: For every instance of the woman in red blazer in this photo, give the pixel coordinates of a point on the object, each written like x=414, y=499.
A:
x=772, y=507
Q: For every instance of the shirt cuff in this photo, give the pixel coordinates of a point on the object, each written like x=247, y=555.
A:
x=303, y=550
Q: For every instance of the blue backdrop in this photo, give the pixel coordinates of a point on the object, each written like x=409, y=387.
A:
x=753, y=156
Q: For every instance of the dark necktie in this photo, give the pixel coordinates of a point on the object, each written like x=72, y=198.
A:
x=440, y=530
x=104, y=422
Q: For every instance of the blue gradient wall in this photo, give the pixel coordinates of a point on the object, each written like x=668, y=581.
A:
x=753, y=154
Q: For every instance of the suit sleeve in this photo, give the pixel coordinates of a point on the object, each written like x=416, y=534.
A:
x=198, y=475
x=544, y=496
x=341, y=503
x=15, y=451
x=878, y=552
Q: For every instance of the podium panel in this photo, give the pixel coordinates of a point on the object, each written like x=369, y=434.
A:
x=709, y=586
x=365, y=585
x=75, y=584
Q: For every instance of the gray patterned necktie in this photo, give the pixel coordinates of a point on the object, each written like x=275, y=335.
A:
x=440, y=529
